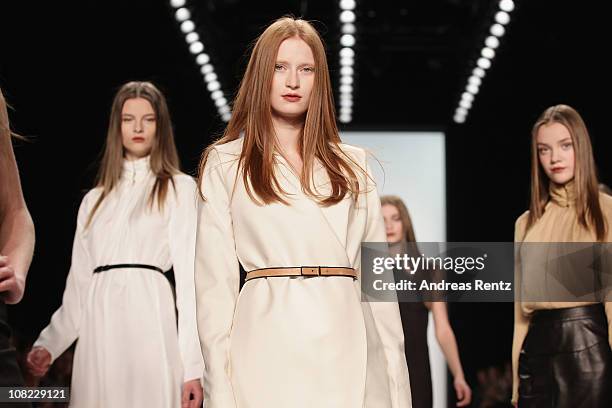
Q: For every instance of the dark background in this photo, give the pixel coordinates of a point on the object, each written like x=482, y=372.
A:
x=61, y=63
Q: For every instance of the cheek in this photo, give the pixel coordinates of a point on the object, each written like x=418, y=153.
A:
x=571, y=158
x=309, y=86
x=543, y=161
x=152, y=130
x=277, y=83
x=125, y=133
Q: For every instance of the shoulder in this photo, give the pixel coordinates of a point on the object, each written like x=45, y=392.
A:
x=88, y=202
x=606, y=202
x=182, y=180
x=606, y=206
x=91, y=197
x=229, y=149
x=520, y=226
x=355, y=152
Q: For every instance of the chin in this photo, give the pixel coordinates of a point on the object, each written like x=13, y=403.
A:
x=560, y=179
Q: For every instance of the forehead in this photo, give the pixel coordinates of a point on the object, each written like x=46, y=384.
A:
x=137, y=105
x=295, y=49
x=390, y=209
x=552, y=133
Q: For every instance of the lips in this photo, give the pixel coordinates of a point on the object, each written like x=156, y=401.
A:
x=292, y=97
x=557, y=169
x=138, y=139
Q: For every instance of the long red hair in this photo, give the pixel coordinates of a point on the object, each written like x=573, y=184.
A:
x=252, y=115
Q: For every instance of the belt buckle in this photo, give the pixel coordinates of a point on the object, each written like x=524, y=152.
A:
x=310, y=270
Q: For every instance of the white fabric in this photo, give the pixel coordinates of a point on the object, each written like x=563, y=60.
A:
x=128, y=353
x=291, y=341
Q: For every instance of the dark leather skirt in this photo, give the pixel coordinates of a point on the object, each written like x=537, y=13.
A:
x=566, y=361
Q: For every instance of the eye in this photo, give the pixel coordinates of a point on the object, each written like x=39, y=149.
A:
x=567, y=146
x=126, y=119
x=308, y=69
x=542, y=150
x=150, y=119
x=278, y=67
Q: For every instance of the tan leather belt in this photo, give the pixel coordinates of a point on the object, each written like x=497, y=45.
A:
x=302, y=271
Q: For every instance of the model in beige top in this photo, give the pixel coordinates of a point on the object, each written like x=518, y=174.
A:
x=296, y=342
x=565, y=207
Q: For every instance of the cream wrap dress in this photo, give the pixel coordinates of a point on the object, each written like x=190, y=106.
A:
x=291, y=342
x=128, y=353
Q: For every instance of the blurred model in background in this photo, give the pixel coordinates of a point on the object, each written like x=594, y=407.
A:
x=415, y=316
x=132, y=228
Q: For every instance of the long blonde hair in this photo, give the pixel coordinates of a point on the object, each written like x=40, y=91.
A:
x=588, y=207
x=252, y=115
x=164, y=159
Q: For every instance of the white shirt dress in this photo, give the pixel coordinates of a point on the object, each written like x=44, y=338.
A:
x=128, y=352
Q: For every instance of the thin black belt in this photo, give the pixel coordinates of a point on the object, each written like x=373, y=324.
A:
x=104, y=268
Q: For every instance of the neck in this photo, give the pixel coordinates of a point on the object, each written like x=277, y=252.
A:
x=131, y=157
x=287, y=132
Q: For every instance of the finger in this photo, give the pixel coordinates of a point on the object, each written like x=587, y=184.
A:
x=198, y=397
x=6, y=272
x=185, y=397
x=459, y=391
x=7, y=284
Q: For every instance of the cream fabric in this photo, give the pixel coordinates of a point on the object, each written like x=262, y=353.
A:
x=128, y=353
x=291, y=341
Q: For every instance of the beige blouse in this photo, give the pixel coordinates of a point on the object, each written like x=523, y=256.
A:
x=559, y=223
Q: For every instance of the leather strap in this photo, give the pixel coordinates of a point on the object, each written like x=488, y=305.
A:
x=302, y=271
x=104, y=268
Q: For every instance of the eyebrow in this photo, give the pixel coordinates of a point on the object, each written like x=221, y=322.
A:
x=566, y=139
x=299, y=65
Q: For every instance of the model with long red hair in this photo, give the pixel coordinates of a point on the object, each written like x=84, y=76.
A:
x=283, y=197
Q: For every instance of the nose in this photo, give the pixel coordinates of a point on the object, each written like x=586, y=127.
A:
x=137, y=127
x=292, y=81
x=554, y=155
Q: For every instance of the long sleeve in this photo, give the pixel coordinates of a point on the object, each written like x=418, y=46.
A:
x=386, y=314
x=63, y=329
x=217, y=283
x=521, y=321
x=182, y=237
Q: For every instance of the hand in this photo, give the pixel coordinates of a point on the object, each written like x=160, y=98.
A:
x=38, y=361
x=464, y=393
x=11, y=286
x=192, y=388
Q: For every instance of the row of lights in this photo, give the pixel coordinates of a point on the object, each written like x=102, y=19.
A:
x=347, y=59
x=484, y=62
x=196, y=47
